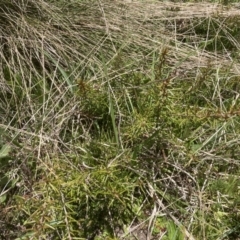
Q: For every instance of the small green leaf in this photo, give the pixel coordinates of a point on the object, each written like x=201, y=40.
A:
x=4, y=152
x=196, y=147
x=3, y=198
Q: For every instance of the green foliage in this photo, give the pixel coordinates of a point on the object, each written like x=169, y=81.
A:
x=108, y=134
x=83, y=201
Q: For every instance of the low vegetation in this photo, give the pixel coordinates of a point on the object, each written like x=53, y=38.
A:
x=119, y=120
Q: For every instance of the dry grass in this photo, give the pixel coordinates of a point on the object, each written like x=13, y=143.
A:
x=122, y=109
